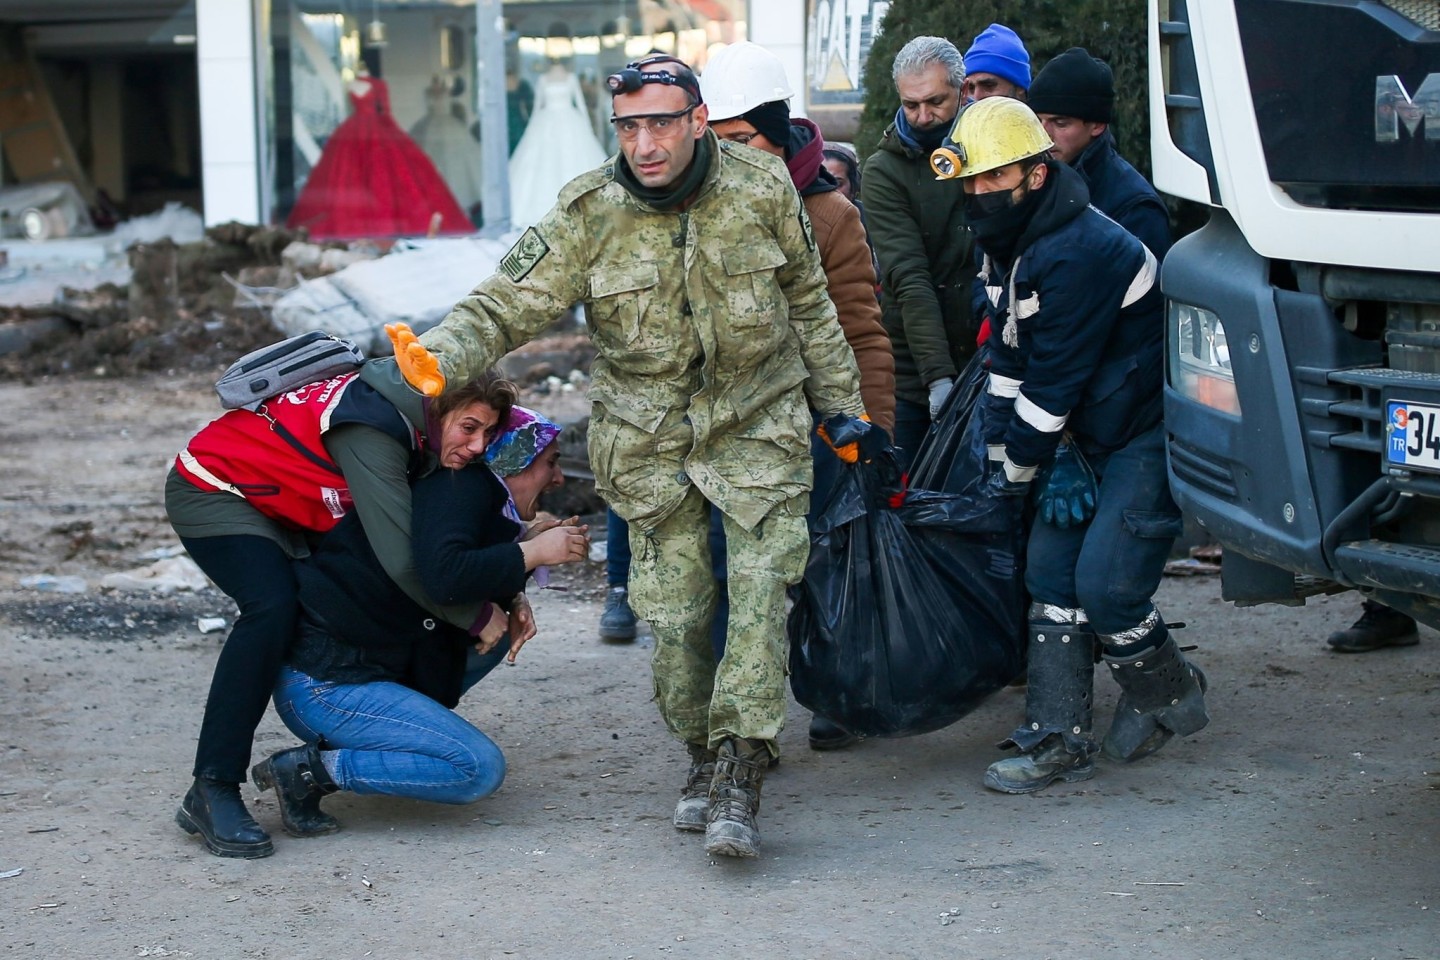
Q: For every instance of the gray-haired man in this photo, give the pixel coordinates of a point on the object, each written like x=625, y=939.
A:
x=924, y=248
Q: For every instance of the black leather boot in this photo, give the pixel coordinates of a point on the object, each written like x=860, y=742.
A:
x=829, y=735
x=299, y=780
x=213, y=809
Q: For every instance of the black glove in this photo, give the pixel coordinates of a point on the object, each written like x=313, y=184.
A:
x=1068, y=499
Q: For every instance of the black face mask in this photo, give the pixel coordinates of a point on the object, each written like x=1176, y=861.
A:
x=998, y=219
x=979, y=206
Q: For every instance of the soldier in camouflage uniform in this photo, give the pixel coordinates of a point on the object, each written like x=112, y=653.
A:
x=707, y=305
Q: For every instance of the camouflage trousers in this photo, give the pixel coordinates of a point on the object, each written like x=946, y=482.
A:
x=672, y=586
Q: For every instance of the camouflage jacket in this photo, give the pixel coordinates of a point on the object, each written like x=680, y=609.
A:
x=712, y=328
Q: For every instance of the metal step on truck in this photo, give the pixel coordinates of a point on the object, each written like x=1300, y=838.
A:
x=1302, y=398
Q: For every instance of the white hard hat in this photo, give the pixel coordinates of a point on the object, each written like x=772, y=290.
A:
x=740, y=77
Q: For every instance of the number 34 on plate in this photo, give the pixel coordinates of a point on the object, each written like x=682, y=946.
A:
x=1413, y=435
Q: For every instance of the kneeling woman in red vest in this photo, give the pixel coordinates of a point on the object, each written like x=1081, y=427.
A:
x=373, y=677
x=252, y=492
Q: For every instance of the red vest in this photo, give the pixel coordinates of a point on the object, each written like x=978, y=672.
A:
x=274, y=457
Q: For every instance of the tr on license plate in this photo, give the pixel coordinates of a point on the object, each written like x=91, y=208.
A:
x=1412, y=435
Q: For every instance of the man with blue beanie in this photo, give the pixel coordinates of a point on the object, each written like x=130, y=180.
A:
x=996, y=65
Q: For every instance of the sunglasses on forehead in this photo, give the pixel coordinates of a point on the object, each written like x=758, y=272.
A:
x=633, y=77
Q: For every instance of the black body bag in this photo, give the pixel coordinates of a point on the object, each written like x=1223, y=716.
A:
x=910, y=616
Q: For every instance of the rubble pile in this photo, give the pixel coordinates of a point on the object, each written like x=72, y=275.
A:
x=190, y=306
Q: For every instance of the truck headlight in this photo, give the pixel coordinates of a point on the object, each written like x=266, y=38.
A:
x=1200, y=358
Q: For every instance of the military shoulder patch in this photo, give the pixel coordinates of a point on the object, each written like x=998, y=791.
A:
x=529, y=250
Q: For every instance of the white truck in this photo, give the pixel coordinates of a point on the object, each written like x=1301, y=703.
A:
x=1303, y=320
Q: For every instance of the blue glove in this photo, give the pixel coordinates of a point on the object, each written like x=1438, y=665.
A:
x=1068, y=499
x=1000, y=485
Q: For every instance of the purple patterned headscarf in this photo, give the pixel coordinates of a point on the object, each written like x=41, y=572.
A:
x=525, y=435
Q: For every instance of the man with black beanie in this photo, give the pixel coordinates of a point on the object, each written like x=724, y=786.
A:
x=1074, y=97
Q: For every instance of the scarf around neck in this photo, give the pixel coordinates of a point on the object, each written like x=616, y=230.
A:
x=673, y=195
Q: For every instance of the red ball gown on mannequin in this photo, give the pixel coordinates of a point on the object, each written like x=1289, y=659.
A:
x=373, y=180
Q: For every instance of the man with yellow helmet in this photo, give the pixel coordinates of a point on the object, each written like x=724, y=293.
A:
x=1076, y=310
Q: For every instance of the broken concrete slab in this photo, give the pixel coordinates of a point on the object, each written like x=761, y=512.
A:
x=417, y=283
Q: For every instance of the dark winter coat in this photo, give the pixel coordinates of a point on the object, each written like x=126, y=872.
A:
x=1119, y=191
x=926, y=271
x=1078, y=344
x=359, y=627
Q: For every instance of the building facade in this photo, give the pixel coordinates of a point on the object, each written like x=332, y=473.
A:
x=229, y=105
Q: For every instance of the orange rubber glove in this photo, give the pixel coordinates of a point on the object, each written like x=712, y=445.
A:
x=418, y=366
x=847, y=452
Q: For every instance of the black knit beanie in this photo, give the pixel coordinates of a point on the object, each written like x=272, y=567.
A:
x=772, y=121
x=1075, y=84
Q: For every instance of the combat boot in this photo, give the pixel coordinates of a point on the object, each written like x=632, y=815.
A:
x=1162, y=694
x=617, y=622
x=299, y=780
x=1055, y=742
x=740, y=767
x=693, y=810
x=214, y=809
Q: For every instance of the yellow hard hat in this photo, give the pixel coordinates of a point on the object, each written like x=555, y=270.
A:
x=989, y=133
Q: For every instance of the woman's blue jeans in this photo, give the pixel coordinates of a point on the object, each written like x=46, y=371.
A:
x=388, y=739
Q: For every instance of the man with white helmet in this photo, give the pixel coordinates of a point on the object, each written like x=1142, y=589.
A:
x=748, y=93
x=1079, y=351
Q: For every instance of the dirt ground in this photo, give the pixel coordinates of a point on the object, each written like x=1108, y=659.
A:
x=1304, y=822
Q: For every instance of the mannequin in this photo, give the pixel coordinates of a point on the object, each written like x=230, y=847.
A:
x=559, y=144
x=444, y=134
x=372, y=180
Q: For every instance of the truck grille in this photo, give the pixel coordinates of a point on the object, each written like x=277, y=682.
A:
x=1424, y=12
x=1200, y=469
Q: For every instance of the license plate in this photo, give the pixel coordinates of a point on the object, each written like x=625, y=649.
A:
x=1412, y=435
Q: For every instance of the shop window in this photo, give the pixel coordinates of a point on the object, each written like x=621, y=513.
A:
x=373, y=123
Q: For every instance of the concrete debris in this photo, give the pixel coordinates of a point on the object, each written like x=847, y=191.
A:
x=174, y=222
x=163, y=577
x=417, y=283
x=210, y=624
x=48, y=583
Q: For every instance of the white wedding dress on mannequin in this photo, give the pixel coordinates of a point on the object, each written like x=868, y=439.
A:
x=559, y=144
x=446, y=139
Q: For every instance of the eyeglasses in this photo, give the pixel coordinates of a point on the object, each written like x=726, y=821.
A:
x=658, y=125
x=741, y=138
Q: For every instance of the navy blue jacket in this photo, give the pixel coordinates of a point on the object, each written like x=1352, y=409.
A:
x=1118, y=191
x=1079, y=343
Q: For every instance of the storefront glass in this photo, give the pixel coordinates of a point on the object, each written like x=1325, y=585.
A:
x=372, y=124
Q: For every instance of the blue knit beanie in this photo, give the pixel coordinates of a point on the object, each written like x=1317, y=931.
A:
x=998, y=50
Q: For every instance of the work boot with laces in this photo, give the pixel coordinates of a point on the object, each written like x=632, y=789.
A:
x=1036, y=769
x=692, y=812
x=1378, y=627
x=617, y=623
x=740, y=766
